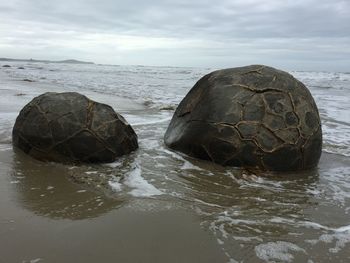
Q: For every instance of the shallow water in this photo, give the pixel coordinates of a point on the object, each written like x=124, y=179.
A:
x=157, y=205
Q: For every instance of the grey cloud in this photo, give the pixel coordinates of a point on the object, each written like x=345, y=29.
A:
x=270, y=30
x=308, y=18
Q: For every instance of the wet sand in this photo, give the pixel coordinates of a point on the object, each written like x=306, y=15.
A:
x=50, y=218
x=47, y=217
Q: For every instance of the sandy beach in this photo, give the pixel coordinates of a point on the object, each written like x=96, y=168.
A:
x=48, y=218
x=156, y=205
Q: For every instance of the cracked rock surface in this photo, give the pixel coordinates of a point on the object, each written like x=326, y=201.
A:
x=69, y=127
x=254, y=116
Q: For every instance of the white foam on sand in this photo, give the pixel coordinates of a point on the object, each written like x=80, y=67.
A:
x=339, y=236
x=340, y=239
x=227, y=220
x=189, y=166
x=141, y=188
x=343, y=229
x=115, y=185
x=279, y=250
x=36, y=260
x=91, y=172
x=114, y=164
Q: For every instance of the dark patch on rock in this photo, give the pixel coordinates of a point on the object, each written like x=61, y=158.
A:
x=69, y=127
x=285, y=158
x=220, y=149
x=290, y=135
x=274, y=101
x=291, y=119
x=311, y=120
x=254, y=109
x=248, y=154
x=248, y=130
x=274, y=122
x=253, y=112
x=254, y=116
x=266, y=139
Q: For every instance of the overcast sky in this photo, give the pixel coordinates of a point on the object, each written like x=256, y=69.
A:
x=289, y=34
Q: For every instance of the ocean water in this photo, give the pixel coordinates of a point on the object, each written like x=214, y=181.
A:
x=266, y=217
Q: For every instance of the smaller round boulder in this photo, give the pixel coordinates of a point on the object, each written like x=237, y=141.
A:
x=254, y=116
x=69, y=127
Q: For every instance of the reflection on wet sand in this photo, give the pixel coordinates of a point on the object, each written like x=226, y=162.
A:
x=108, y=230
x=47, y=189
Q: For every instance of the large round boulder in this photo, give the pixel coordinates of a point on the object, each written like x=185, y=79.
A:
x=254, y=116
x=69, y=127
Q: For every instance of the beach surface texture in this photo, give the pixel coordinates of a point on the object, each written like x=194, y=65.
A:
x=156, y=205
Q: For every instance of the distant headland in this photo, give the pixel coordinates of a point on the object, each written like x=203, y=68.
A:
x=67, y=61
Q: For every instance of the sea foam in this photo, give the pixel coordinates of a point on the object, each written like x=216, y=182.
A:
x=141, y=188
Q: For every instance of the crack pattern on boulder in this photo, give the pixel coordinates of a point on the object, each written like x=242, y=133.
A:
x=69, y=127
x=254, y=116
